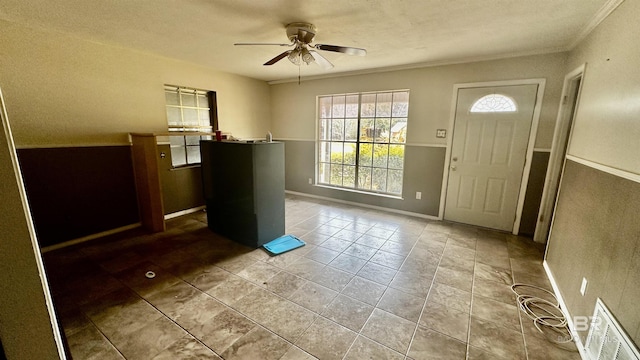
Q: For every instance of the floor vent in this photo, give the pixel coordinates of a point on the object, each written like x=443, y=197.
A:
x=607, y=340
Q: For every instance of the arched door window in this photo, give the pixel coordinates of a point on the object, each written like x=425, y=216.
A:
x=494, y=103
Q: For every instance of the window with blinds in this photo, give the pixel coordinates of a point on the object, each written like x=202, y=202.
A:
x=188, y=110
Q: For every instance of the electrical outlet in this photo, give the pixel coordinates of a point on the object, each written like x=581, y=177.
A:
x=310, y=181
x=418, y=195
x=583, y=287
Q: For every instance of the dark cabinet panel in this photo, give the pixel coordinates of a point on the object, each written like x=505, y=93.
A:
x=243, y=186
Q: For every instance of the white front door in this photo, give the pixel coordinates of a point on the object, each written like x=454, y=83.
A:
x=489, y=146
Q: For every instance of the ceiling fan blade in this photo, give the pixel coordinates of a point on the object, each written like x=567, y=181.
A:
x=278, y=58
x=342, y=49
x=272, y=44
x=321, y=60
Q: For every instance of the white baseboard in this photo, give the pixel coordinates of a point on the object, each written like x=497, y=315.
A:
x=89, y=237
x=184, y=212
x=565, y=310
x=396, y=211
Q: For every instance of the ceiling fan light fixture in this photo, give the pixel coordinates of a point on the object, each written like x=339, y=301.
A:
x=306, y=56
x=294, y=56
x=301, y=35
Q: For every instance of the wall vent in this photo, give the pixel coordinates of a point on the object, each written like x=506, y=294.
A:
x=607, y=340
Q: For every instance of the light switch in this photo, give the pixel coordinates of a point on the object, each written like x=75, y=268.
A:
x=441, y=133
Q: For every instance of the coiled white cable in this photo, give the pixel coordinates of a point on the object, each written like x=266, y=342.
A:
x=546, y=314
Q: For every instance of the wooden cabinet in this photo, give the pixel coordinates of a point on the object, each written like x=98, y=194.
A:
x=243, y=185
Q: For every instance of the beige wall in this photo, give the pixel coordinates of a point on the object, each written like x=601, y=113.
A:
x=607, y=126
x=595, y=231
x=293, y=105
x=61, y=90
x=293, y=116
x=26, y=328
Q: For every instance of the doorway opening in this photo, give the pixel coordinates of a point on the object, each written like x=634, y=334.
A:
x=561, y=140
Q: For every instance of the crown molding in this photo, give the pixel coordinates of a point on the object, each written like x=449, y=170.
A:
x=599, y=16
x=422, y=65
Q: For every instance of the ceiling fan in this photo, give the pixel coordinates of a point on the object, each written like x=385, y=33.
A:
x=301, y=35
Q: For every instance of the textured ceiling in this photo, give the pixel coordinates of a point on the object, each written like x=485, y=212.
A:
x=396, y=33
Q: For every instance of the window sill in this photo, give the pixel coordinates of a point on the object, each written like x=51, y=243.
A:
x=395, y=197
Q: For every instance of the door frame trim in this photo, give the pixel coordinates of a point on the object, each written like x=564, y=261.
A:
x=530, y=145
x=561, y=135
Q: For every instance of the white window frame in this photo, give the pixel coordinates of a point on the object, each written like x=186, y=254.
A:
x=324, y=138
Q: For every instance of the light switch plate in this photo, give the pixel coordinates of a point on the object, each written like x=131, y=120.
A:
x=441, y=133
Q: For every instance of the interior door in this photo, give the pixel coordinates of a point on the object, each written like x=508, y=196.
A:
x=489, y=146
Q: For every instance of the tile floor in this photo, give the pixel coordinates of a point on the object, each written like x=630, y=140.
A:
x=368, y=285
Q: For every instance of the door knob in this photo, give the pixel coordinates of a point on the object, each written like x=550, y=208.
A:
x=453, y=168
x=455, y=158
